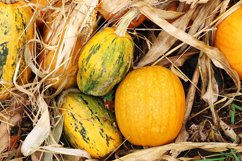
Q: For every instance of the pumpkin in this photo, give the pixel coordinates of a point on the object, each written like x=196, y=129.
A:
x=104, y=61
x=110, y=9
x=150, y=106
x=88, y=124
x=228, y=39
x=15, y=31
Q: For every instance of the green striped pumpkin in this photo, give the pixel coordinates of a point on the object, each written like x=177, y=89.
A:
x=87, y=124
x=15, y=31
x=104, y=61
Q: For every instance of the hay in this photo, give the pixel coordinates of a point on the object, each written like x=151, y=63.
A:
x=175, y=38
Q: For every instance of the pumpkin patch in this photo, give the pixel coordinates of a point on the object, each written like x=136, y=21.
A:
x=120, y=80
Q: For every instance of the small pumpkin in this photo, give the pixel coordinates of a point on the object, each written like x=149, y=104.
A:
x=16, y=30
x=228, y=39
x=88, y=124
x=104, y=61
x=150, y=106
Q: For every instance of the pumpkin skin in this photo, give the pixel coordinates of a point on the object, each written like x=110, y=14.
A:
x=15, y=31
x=228, y=39
x=150, y=106
x=88, y=125
x=104, y=61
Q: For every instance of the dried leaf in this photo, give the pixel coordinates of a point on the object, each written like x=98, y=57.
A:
x=40, y=132
x=15, y=78
x=157, y=152
x=66, y=32
x=164, y=41
x=4, y=140
x=177, y=71
x=194, y=2
x=12, y=115
x=229, y=131
x=55, y=134
x=204, y=16
x=72, y=158
x=66, y=151
x=212, y=91
x=177, y=60
x=213, y=53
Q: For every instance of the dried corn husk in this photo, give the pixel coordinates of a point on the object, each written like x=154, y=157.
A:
x=67, y=30
x=40, y=132
x=157, y=153
x=116, y=8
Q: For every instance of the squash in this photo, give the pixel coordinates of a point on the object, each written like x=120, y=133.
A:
x=15, y=31
x=88, y=125
x=104, y=61
x=109, y=9
x=150, y=106
x=228, y=39
x=106, y=58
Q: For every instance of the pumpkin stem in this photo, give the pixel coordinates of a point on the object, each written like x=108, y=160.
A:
x=125, y=21
x=8, y=1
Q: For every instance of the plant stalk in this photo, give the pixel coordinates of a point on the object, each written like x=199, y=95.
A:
x=125, y=21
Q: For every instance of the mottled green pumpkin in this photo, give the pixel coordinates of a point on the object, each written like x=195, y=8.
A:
x=88, y=125
x=15, y=31
x=104, y=61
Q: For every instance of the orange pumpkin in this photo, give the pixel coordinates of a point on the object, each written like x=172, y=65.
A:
x=150, y=106
x=228, y=39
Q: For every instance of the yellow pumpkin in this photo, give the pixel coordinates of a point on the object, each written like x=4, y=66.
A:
x=150, y=106
x=16, y=30
x=228, y=39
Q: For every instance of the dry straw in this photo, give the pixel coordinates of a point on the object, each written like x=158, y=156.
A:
x=186, y=32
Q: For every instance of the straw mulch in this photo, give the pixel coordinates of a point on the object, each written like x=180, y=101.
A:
x=179, y=38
